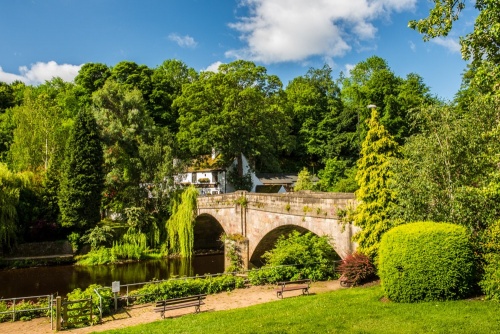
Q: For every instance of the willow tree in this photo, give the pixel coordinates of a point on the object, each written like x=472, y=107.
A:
x=10, y=188
x=374, y=194
x=180, y=226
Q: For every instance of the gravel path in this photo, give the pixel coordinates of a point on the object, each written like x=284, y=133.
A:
x=144, y=313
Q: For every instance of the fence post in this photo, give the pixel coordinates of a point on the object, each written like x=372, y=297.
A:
x=58, y=313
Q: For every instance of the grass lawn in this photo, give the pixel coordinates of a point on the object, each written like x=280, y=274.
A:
x=356, y=310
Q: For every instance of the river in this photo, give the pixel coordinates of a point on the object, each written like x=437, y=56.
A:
x=63, y=279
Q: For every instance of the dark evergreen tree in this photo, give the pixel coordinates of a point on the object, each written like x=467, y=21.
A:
x=82, y=178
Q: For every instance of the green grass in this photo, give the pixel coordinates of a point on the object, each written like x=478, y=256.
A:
x=357, y=310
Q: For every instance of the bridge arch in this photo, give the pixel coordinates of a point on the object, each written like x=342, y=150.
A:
x=269, y=240
x=207, y=231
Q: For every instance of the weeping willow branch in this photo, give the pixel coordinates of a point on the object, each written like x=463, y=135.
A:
x=180, y=225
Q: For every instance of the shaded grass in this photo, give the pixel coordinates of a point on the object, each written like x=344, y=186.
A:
x=357, y=310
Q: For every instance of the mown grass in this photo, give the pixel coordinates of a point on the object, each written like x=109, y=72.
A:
x=357, y=310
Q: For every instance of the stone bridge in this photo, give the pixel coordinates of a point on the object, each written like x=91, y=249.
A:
x=257, y=220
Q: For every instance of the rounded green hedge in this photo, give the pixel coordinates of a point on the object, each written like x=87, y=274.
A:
x=426, y=261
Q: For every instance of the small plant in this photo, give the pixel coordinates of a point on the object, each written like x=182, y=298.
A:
x=233, y=251
x=306, y=209
x=204, y=180
x=242, y=200
x=318, y=211
x=74, y=240
x=356, y=269
x=287, y=207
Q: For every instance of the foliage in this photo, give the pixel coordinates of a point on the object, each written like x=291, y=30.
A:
x=10, y=187
x=239, y=182
x=308, y=256
x=25, y=309
x=97, y=236
x=319, y=126
x=180, y=224
x=89, y=292
x=82, y=177
x=229, y=112
x=449, y=170
x=426, y=261
x=125, y=125
x=74, y=240
x=304, y=181
x=357, y=268
x=42, y=124
x=233, y=251
x=176, y=288
x=490, y=246
x=375, y=196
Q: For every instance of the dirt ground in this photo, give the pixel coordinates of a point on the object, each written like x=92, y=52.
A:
x=144, y=313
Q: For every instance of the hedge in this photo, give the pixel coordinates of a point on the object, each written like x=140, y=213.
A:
x=426, y=261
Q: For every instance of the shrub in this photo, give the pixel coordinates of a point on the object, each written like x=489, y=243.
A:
x=78, y=294
x=177, y=288
x=357, y=268
x=490, y=282
x=426, y=261
x=297, y=256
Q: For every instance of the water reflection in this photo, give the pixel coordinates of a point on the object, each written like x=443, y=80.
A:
x=62, y=279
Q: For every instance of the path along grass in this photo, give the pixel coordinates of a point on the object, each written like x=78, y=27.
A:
x=357, y=310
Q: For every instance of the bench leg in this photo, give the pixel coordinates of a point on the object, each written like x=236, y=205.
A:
x=162, y=314
x=197, y=308
x=279, y=294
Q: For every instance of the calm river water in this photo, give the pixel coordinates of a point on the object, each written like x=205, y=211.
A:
x=63, y=279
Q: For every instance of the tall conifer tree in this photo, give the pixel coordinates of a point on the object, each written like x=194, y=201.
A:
x=374, y=194
x=83, y=178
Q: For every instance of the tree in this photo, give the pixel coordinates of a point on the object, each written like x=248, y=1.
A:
x=167, y=81
x=82, y=178
x=375, y=195
x=124, y=125
x=235, y=111
x=449, y=171
x=317, y=118
x=304, y=181
x=42, y=124
x=482, y=46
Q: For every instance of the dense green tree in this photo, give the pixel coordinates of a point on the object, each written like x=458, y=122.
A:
x=92, y=76
x=235, y=111
x=82, y=178
x=124, y=125
x=167, y=81
x=375, y=195
x=372, y=82
x=316, y=108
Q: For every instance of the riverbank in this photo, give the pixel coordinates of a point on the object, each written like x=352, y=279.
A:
x=141, y=314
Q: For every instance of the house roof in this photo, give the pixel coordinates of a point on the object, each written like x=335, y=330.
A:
x=205, y=163
x=280, y=178
x=268, y=189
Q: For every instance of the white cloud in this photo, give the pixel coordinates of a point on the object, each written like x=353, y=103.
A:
x=41, y=72
x=293, y=30
x=183, y=41
x=452, y=45
x=348, y=68
x=213, y=67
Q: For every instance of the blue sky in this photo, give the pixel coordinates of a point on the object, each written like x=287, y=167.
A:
x=40, y=39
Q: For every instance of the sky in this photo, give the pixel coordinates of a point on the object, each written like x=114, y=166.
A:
x=42, y=39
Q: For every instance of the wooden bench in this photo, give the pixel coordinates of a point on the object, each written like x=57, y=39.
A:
x=302, y=284
x=177, y=303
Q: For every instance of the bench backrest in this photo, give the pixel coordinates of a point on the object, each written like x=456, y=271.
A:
x=180, y=300
x=300, y=281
